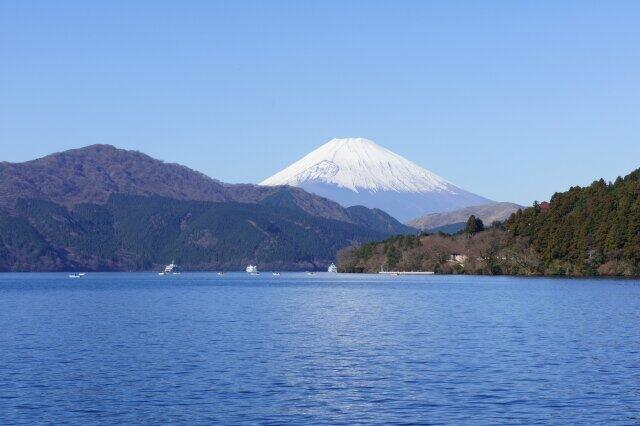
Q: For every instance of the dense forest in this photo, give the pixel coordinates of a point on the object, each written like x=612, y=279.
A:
x=142, y=233
x=103, y=208
x=585, y=231
x=93, y=173
x=581, y=232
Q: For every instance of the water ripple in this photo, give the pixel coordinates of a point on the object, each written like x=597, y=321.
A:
x=334, y=349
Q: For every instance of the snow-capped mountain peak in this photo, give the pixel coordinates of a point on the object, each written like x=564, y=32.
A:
x=355, y=171
x=360, y=164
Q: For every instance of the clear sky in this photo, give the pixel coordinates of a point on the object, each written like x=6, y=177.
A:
x=512, y=100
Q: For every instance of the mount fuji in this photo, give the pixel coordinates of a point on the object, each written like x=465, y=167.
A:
x=357, y=171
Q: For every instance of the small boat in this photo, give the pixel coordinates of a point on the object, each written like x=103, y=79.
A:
x=170, y=269
x=276, y=274
x=77, y=275
x=311, y=273
x=221, y=273
x=252, y=270
x=332, y=268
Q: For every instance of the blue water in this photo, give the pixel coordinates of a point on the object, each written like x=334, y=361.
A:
x=202, y=349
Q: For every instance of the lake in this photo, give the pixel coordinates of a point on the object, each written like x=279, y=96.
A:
x=199, y=348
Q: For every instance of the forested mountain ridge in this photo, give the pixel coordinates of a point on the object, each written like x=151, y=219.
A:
x=142, y=233
x=91, y=174
x=587, y=231
x=83, y=209
x=378, y=220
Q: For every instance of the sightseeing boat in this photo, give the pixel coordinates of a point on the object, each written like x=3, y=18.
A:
x=170, y=269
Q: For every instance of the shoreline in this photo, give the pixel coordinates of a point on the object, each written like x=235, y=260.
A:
x=325, y=273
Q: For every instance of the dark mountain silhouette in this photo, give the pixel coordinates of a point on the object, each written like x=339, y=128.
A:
x=103, y=208
x=91, y=174
x=131, y=232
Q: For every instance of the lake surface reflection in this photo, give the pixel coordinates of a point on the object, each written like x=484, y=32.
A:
x=202, y=348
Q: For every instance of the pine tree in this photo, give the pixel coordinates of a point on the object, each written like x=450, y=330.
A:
x=474, y=225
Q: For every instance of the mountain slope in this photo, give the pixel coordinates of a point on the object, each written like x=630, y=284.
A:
x=587, y=231
x=142, y=233
x=356, y=171
x=378, y=220
x=93, y=173
x=488, y=213
x=101, y=208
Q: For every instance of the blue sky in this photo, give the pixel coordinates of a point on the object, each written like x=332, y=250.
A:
x=511, y=100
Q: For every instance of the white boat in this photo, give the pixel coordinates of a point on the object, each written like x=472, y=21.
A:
x=311, y=273
x=77, y=275
x=170, y=269
x=276, y=274
x=221, y=273
x=332, y=268
x=252, y=270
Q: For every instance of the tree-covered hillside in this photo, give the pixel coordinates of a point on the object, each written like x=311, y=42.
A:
x=582, y=232
x=586, y=231
x=91, y=174
x=142, y=233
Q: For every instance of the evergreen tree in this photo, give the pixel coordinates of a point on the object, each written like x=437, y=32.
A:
x=393, y=257
x=474, y=225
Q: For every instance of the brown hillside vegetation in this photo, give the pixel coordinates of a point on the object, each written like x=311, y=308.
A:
x=581, y=232
x=486, y=253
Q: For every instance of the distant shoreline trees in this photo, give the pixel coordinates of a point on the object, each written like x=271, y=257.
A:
x=587, y=231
